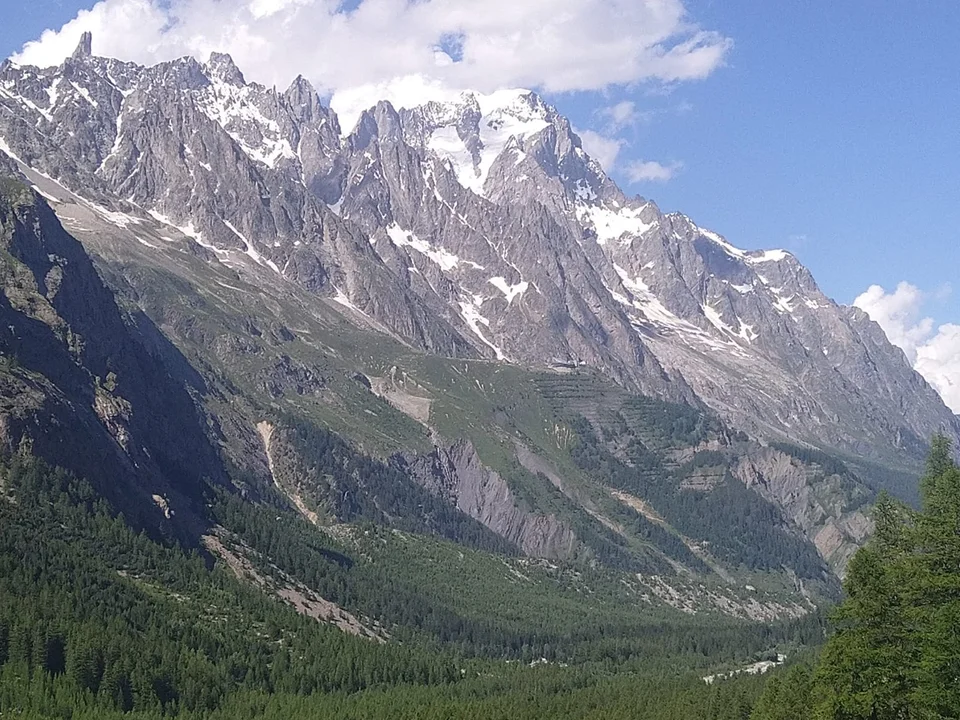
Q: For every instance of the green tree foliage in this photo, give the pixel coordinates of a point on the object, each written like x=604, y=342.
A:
x=895, y=652
x=740, y=526
x=933, y=588
x=786, y=696
x=98, y=621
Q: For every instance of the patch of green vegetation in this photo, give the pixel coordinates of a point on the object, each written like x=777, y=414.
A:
x=99, y=621
x=740, y=527
x=14, y=193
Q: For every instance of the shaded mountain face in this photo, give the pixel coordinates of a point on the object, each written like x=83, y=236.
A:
x=80, y=388
x=476, y=227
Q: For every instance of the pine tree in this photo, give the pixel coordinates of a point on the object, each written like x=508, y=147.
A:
x=786, y=696
x=4, y=641
x=864, y=669
x=935, y=587
x=896, y=650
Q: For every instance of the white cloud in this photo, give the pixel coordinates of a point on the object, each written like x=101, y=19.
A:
x=621, y=114
x=551, y=45
x=624, y=114
x=651, y=171
x=938, y=360
x=935, y=354
x=408, y=91
x=898, y=313
x=605, y=150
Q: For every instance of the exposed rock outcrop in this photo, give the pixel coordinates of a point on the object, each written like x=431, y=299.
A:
x=458, y=474
x=77, y=384
x=818, y=502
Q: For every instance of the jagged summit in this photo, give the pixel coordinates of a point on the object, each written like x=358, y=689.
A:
x=85, y=46
x=474, y=130
x=222, y=67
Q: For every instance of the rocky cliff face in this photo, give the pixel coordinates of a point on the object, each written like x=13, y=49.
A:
x=472, y=227
x=824, y=505
x=458, y=474
x=79, y=387
x=211, y=157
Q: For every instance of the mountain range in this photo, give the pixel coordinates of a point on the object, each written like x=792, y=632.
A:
x=447, y=319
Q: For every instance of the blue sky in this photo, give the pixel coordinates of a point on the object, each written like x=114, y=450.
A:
x=833, y=131
x=829, y=129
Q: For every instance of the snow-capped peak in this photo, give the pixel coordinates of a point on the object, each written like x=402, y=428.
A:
x=522, y=105
x=475, y=129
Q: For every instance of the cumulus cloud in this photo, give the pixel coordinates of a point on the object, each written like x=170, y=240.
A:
x=938, y=360
x=651, y=171
x=898, y=313
x=934, y=352
x=551, y=45
x=624, y=114
x=605, y=150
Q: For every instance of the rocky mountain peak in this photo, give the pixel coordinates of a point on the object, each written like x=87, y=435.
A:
x=303, y=99
x=472, y=130
x=84, y=47
x=221, y=67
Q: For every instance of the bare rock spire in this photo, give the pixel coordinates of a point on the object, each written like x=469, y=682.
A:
x=84, y=48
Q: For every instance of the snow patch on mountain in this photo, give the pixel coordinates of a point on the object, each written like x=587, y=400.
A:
x=747, y=332
x=117, y=218
x=447, y=144
x=234, y=109
x=647, y=303
x=341, y=298
x=26, y=102
x=742, y=289
x=583, y=192
x=251, y=251
x=612, y=224
x=507, y=118
x=753, y=257
x=744, y=332
x=189, y=230
x=53, y=93
x=509, y=291
x=768, y=256
x=5, y=149
x=85, y=94
x=470, y=311
x=655, y=313
x=727, y=247
x=783, y=303
x=444, y=258
x=716, y=319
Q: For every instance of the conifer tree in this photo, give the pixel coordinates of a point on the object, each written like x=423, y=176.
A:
x=896, y=650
